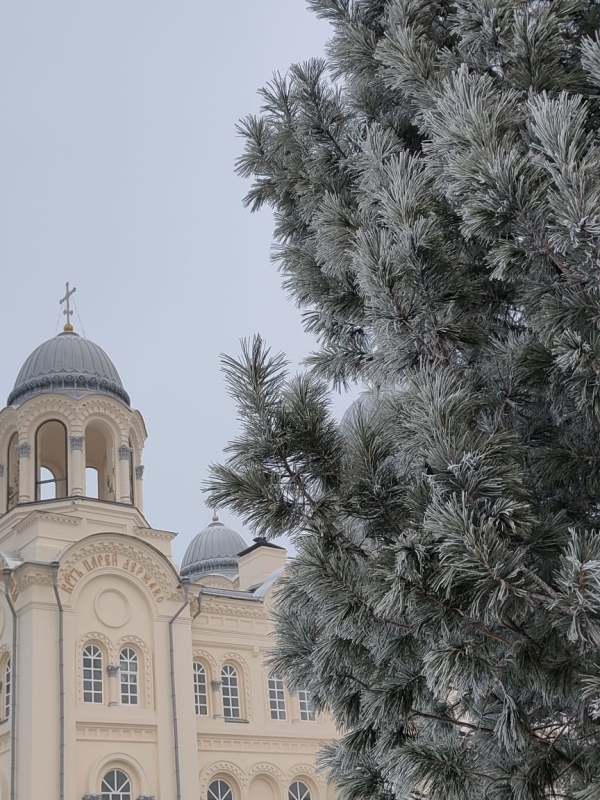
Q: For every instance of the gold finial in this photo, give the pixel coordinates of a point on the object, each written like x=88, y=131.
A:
x=215, y=517
x=67, y=300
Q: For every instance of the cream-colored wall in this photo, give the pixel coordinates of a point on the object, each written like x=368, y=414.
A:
x=118, y=587
x=260, y=752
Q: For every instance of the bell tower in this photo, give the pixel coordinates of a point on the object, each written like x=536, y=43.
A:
x=68, y=429
x=90, y=592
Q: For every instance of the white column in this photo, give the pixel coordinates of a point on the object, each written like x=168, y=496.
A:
x=114, y=684
x=139, y=487
x=26, y=477
x=217, y=699
x=124, y=474
x=77, y=478
x=3, y=479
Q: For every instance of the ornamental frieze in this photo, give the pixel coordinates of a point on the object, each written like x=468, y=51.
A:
x=119, y=556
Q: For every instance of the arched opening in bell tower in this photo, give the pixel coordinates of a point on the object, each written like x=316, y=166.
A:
x=51, y=460
x=99, y=461
x=12, y=472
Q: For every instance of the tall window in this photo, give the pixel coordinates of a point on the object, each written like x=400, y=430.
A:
x=219, y=790
x=307, y=710
x=129, y=663
x=298, y=791
x=231, y=692
x=7, y=688
x=51, y=460
x=116, y=786
x=92, y=674
x=200, y=694
x=276, y=697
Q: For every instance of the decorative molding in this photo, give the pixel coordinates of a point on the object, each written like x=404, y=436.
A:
x=155, y=533
x=113, y=670
x=23, y=450
x=9, y=418
x=234, y=608
x=28, y=574
x=76, y=442
x=1, y=470
x=208, y=662
x=5, y=742
x=139, y=472
x=138, y=563
x=307, y=747
x=265, y=768
x=224, y=768
x=216, y=685
x=114, y=732
x=46, y=516
x=125, y=453
x=306, y=771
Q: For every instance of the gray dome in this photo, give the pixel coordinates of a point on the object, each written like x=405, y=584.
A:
x=214, y=549
x=67, y=364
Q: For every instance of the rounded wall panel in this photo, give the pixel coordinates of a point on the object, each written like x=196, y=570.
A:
x=112, y=608
x=261, y=789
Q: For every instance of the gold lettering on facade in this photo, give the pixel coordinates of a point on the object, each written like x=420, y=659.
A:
x=70, y=579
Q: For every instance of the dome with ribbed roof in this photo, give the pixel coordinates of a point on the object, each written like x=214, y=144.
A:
x=214, y=549
x=68, y=364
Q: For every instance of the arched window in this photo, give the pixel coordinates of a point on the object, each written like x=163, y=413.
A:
x=12, y=473
x=99, y=461
x=299, y=791
x=307, y=710
x=116, y=786
x=219, y=790
x=92, y=674
x=200, y=693
x=7, y=688
x=51, y=460
x=231, y=692
x=276, y=697
x=129, y=663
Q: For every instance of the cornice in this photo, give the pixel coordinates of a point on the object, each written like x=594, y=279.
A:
x=233, y=608
x=154, y=533
x=46, y=516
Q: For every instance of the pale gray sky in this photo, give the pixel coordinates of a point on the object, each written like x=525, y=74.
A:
x=117, y=147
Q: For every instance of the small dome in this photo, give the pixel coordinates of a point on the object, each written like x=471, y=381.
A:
x=214, y=549
x=68, y=364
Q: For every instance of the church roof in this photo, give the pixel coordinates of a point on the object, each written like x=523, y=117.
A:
x=68, y=364
x=215, y=549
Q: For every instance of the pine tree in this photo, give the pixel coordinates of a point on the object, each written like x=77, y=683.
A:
x=436, y=189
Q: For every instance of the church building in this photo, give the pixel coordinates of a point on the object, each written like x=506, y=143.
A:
x=123, y=677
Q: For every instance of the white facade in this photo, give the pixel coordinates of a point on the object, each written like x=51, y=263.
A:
x=119, y=679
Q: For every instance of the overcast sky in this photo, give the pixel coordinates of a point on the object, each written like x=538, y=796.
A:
x=117, y=148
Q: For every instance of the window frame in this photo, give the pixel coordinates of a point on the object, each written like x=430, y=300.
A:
x=93, y=678
x=231, y=692
x=307, y=710
x=129, y=683
x=108, y=793
x=199, y=668
x=297, y=793
x=7, y=688
x=219, y=782
x=277, y=698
